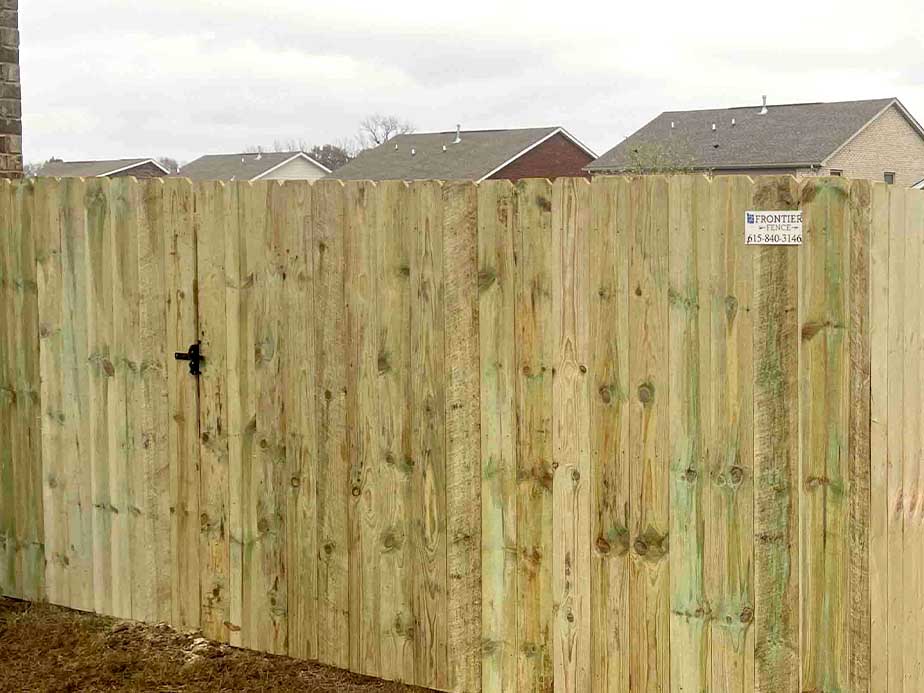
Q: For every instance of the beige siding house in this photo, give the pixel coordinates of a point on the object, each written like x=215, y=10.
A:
x=877, y=139
x=255, y=166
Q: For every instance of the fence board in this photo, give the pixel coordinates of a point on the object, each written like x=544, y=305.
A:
x=214, y=220
x=496, y=315
x=333, y=464
x=534, y=372
x=74, y=392
x=151, y=476
x=463, y=478
x=689, y=355
x=428, y=445
x=570, y=436
x=298, y=353
x=8, y=539
x=858, y=473
x=393, y=362
x=913, y=444
x=361, y=423
x=649, y=581
x=182, y=402
x=609, y=434
x=899, y=269
x=265, y=499
x=99, y=334
x=879, y=335
x=729, y=502
x=776, y=453
x=30, y=560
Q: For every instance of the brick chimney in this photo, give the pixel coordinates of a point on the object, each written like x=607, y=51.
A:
x=10, y=92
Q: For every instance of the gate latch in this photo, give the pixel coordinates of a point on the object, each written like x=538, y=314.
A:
x=194, y=357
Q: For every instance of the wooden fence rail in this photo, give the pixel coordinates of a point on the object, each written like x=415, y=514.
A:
x=496, y=437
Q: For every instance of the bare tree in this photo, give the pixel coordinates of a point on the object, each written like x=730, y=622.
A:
x=378, y=129
x=673, y=156
x=330, y=155
x=31, y=168
x=169, y=163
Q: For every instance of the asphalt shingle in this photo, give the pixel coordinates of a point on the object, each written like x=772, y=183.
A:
x=787, y=135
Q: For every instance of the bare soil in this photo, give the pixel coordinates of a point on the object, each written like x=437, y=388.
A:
x=49, y=648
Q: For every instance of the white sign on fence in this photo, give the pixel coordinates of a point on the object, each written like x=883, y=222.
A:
x=773, y=228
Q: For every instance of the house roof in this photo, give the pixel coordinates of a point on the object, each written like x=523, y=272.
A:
x=247, y=166
x=788, y=135
x=421, y=156
x=92, y=169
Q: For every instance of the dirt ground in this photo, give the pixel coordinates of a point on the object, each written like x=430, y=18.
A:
x=48, y=648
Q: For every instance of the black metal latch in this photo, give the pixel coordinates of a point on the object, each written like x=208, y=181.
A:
x=194, y=356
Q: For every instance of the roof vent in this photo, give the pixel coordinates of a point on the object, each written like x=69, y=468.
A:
x=763, y=108
x=672, y=125
x=713, y=127
x=413, y=151
x=444, y=147
x=396, y=147
x=458, y=134
x=733, y=122
x=259, y=155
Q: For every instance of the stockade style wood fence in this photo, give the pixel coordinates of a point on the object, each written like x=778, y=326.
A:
x=497, y=437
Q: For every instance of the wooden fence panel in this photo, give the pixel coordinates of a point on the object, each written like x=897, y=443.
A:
x=571, y=435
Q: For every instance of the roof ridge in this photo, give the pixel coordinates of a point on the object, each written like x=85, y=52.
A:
x=453, y=132
x=779, y=105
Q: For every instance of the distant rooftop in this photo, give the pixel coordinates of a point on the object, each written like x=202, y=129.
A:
x=244, y=166
x=92, y=169
x=786, y=135
x=439, y=156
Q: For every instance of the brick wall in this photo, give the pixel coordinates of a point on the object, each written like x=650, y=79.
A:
x=556, y=157
x=10, y=92
x=889, y=143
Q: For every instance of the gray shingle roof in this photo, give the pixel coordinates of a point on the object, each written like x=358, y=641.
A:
x=790, y=134
x=235, y=166
x=477, y=155
x=87, y=169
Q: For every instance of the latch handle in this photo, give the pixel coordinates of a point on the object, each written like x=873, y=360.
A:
x=194, y=356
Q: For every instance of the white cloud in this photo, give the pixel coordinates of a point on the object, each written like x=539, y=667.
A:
x=183, y=77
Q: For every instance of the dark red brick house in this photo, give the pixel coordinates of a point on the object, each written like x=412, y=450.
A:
x=116, y=168
x=477, y=155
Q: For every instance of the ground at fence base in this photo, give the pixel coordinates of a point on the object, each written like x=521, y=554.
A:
x=49, y=648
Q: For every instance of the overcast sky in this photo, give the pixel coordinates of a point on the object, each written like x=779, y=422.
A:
x=118, y=78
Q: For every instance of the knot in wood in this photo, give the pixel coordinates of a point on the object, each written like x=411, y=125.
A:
x=646, y=393
x=641, y=548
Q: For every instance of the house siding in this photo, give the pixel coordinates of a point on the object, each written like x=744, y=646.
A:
x=143, y=171
x=10, y=92
x=889, y=143
x=297, y=169
x=556, y=157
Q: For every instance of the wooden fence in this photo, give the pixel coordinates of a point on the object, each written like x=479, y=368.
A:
x=496, y=437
